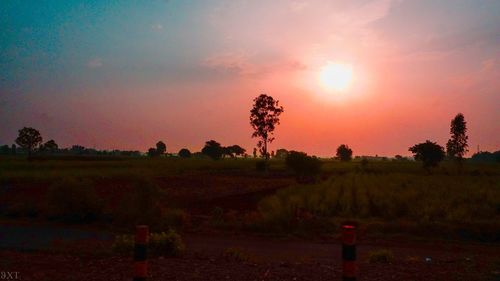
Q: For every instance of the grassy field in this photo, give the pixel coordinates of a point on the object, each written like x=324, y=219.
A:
x=382, y=196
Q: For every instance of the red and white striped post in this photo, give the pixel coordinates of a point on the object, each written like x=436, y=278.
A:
x=141, y=253
x=349, y=267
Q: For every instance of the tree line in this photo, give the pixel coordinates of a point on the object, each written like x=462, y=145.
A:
x=264, y=118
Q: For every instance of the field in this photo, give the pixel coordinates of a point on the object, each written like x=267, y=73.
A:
x=227, y=211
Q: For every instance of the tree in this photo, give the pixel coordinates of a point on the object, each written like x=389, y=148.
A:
x=184, y=153
x=5, y=150
x=50, y=146
x=29, y=139
x=254, y=153
x=152, y=152
x=281, y=153
x=212, y=149
x=264, y=117
x=344, y=153
x=457, y=146
x=234, y=150
x=430, y=153
x=78, y=149
x=161, y=148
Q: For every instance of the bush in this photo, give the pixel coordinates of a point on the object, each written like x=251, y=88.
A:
x=167, y=244
x=176, y=218
x=380, y=256
x=73, y=200
x=236, y=254
x=305, y=167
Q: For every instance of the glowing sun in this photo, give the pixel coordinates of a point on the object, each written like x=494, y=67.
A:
x=336, y=76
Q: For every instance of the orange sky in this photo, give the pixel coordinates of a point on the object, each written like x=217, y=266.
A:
x=125, y=76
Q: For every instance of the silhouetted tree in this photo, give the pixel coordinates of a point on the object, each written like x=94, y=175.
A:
x=153, y=152
x=50, y=146
x=457, y=146
x=234, y=150
x=486, y=156
x=344, y=153
x=264, y=117
x=430, y=153
x=184, y=153
x=29, y=139
x=281, y=153
x=77, y=149
x=4, y=150
x=161, y=148
x=212, y=149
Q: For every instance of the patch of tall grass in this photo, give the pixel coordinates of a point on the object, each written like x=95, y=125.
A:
x=458, y=199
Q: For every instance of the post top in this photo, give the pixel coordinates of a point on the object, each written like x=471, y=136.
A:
x=348, y=226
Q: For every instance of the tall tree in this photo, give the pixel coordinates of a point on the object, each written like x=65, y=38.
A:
x=430, y=153
x=457, y=146
x=344, y=153
x=29, y=139
x=264, y=117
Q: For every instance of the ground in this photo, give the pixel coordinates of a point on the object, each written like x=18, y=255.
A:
x=264, y=258
x=42, y=249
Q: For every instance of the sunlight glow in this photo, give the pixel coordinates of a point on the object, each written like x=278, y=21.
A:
x=336, y=76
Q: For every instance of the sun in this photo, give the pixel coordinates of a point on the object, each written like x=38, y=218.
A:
x=336, y=76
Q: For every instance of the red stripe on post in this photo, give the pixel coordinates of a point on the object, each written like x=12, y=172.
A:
x=349, y=269
x=142, y=234
x=349, y=234
x=140, y=269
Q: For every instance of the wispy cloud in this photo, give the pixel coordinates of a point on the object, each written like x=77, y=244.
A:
x=157, y=27
x=95, y=63
x=241, y=64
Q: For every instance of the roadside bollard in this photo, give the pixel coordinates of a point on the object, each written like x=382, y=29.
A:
x=349, y=267
x=141, y=253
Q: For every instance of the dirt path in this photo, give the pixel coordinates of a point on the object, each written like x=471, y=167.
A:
x=261, y=258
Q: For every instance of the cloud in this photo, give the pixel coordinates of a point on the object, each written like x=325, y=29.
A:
x=157, y=27
x=232, y=62
x=95, y=63
x=241, y=64
x=298, y=6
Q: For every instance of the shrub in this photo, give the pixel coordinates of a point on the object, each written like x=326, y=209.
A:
x=73, y=200
x=380, y=256
x=176, y=218
x=305, y=167
x=236, y=254
x=167, y=244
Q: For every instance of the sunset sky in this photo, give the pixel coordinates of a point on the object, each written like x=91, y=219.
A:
x=125, y=74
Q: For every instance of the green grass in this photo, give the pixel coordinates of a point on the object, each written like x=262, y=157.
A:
x=18, y=169
x=384, y=196
x=468, y=202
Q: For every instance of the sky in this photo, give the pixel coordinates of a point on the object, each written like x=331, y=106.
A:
x=125, y=74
